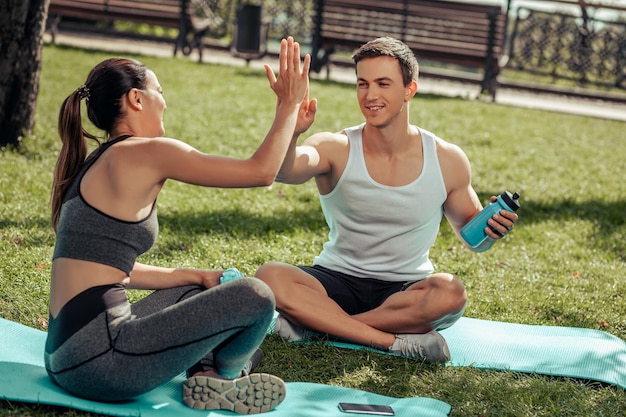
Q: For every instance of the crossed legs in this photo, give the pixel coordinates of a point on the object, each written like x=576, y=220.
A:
x=435, y=302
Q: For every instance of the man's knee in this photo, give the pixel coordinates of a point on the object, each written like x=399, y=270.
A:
x=270, y=272
x=273, y=274
x=447, y=320
x=457, y=293
x=449, y=292
x=456, y=300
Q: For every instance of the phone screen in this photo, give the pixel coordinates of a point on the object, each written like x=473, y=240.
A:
x=372, y=409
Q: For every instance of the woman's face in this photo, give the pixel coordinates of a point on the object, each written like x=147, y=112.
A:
x=153, y=106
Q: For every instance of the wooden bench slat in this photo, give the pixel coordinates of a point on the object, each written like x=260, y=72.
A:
x=163, y=13
x=469, y=34
x=171, y=7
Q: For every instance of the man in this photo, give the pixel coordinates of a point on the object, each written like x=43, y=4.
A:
x=384, y=186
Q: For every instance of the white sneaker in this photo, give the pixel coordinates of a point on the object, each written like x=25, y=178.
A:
x=430, y=346
x=291, y=332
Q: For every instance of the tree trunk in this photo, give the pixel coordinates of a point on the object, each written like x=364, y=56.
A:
x=22, y=25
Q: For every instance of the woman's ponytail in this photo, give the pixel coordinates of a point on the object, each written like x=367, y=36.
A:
x=73, y=149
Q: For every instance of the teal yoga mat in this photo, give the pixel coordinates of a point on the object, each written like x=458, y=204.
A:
x=23, y=378
x=548, y=350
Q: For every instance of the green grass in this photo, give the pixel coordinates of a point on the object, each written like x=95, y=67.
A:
x=564, y=264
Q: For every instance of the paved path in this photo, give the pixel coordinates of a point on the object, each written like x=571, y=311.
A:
x=505, y=96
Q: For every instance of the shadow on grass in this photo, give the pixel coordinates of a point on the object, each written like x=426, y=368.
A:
x=30, y=232
x=29, y=222
x=320, y=363
x=241, y=223
x=608, y=218
x=401, y=378
x=18, y=408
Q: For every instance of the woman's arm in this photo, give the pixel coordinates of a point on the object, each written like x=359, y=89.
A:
x=176, y=160
x=150, y=277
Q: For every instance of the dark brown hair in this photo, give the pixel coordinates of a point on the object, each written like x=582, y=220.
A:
x=388, y=46
x=106, y=85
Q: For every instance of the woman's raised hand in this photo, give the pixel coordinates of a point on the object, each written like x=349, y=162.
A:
x=292, y=83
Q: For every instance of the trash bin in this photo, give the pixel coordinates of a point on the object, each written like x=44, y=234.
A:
x=249, y=32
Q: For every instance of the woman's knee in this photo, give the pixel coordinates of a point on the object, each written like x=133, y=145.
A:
x=254, y=289
x=249, y=294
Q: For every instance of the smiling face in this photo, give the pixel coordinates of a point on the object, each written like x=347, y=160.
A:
x=381, y=92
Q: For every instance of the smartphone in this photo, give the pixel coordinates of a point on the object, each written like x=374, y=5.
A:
x=375, y=409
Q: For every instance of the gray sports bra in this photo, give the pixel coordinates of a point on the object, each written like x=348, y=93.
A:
x=88, y=234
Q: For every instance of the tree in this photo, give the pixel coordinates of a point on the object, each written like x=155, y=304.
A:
x=22, y=25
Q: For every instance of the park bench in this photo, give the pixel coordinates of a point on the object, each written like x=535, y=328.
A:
x=467, y=35
x=194, y=19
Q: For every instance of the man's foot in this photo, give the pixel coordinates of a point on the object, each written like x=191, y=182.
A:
x=207, y=364
x=253, y=363
x=430, y=346
x=291, y=332
x=250, y=394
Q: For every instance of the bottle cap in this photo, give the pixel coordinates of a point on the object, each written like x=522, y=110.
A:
x=511, y=200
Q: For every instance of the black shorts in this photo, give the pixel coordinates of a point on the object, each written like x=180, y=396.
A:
x=354, y=295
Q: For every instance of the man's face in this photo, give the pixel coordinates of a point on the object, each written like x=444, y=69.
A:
x=381, y=92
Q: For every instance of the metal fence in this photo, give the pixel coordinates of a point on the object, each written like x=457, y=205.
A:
x=575, y=46
x=579, y=48
x=290, y=18
x=283, y=17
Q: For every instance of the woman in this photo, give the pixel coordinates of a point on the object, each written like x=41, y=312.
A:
x=101, y=347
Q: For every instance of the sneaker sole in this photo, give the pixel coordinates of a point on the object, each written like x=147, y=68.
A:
x=251, y=394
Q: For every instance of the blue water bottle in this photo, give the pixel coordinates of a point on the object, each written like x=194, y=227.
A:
x=230, y=274
x=474, y=231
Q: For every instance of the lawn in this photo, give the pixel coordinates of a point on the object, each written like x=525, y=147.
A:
x=564, y=264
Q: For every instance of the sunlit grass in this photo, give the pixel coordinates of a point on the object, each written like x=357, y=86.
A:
x=564, y=264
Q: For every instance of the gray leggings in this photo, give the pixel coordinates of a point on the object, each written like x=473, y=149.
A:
x=127, y=350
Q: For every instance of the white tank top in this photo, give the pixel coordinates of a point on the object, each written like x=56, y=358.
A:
x=379, y=231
